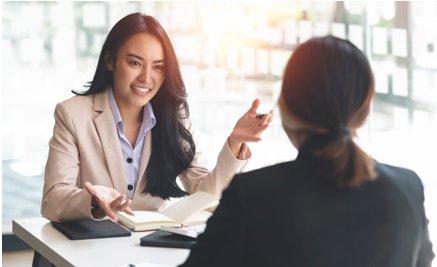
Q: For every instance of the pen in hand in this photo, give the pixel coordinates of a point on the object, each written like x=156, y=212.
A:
x=259, y=115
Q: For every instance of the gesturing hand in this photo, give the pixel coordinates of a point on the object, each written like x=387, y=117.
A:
x=109, y=200
x=249, y=128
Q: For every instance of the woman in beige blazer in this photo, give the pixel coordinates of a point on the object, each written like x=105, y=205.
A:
x=86, y=174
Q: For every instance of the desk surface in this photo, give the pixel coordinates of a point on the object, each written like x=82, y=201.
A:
x=117, y=251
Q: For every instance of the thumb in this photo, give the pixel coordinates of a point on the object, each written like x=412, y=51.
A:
x=255, y=106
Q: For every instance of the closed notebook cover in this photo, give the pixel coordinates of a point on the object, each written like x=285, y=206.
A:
x=90, y=229
x=167, y=240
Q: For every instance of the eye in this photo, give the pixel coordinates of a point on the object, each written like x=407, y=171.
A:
x=159, y=67
x=134, y=63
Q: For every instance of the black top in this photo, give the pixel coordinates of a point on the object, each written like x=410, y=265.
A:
x=283, y=215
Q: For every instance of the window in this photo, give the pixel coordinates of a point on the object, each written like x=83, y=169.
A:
x=229, y=53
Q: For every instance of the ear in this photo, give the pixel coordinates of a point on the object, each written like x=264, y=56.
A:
x=109, y=64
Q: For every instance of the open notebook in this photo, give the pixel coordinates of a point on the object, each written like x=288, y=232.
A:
x=188, y=211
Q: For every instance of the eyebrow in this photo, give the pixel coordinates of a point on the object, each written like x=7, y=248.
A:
x=142, y=59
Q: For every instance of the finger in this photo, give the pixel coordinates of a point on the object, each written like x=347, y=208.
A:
x=272, y=113
x=255, y=106
x=261, y=129
x=90, y=188
x=129, y=211
x=124, y=205
x=116, y=202
x=264, y=119
x=108, y=211
x=257, y=139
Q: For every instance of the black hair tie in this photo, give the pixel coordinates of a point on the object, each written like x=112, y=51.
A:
x=342, y=130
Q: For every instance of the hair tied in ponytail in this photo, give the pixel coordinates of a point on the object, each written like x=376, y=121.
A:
x=333, y=97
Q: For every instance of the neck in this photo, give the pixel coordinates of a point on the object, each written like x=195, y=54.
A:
x=296, y=137
x=130, y=114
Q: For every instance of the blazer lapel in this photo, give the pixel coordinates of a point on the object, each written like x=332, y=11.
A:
x=111, y=144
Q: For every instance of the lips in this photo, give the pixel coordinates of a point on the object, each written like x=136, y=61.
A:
x=140, y=89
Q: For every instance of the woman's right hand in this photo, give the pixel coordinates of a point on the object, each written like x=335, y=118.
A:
x=109, y=200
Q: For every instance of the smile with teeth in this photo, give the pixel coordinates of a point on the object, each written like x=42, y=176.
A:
x=139, y=89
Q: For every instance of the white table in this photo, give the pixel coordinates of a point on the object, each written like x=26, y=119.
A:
x=117, y=251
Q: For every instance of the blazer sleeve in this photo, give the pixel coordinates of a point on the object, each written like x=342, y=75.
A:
x=223, y=242
x=426, y=255
x=198, y=178
x=62, y=199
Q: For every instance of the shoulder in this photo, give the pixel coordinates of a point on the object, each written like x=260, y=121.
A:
x=397, y=174
x=269, y=170
x=393, y=171
x=77, y=108
x=404, y=179
x=268, y=178
x=78, y=103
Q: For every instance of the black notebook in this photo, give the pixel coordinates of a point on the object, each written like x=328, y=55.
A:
x=90, y=229
x=167, y=240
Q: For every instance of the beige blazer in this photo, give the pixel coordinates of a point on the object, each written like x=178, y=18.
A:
x=85, y=148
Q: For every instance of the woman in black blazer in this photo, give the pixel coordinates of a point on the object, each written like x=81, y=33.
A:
x=333, y=205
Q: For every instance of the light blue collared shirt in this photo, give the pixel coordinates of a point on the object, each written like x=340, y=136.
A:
x=132, y=168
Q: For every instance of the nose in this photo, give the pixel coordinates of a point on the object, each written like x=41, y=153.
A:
x=146, y=75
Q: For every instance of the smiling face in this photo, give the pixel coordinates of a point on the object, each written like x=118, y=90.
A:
x=139, y=71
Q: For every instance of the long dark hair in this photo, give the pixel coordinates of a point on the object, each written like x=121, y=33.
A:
x=328, y=84
x=173, y=148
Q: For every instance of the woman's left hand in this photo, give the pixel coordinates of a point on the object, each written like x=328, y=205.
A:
x=249, y=128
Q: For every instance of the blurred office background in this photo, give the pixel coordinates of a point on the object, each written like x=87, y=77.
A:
x=230, y=53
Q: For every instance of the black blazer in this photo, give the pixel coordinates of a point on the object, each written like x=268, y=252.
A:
x=284, y=216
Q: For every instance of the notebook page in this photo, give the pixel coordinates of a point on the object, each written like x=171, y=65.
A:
x=147, y=216
x=197, y=218
x=183, y=209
